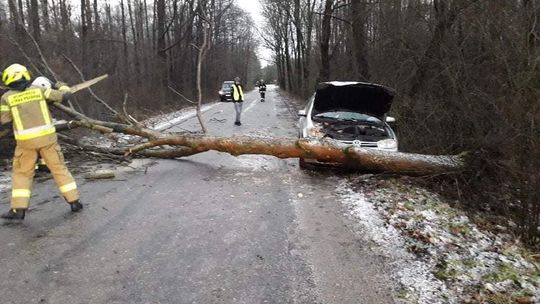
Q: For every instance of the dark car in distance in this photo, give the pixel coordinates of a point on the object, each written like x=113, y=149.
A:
x=226, y=91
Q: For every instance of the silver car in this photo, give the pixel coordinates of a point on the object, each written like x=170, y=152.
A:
x=353, y=113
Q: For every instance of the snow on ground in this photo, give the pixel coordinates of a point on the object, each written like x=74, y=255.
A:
x=166, y=121
x=158, y=122
x=436, y=254
x=5, y=181
x=161, y=122
x=412, y=274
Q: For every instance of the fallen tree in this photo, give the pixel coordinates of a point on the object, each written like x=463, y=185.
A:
x=174, y=145
x=152, y=143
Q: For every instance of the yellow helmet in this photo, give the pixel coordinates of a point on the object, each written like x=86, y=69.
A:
x=14, y=73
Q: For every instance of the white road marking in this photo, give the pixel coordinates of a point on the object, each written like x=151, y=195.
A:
x=187, y=115
x=253, y=103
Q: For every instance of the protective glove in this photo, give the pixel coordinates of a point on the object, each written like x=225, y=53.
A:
x=63, y=87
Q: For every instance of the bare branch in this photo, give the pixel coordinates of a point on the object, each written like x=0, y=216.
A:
x=180, y=94
x=21, y=49
x=334, y=17
x=81, y=75
x=129, y=118
x=38, y=49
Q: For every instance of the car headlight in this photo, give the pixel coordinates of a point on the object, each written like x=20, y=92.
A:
x=220, y=92
x=387, y=144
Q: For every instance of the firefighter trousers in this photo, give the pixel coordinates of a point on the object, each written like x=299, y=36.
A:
x=24, y=168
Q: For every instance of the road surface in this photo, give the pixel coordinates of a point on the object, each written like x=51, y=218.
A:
x=211, y=228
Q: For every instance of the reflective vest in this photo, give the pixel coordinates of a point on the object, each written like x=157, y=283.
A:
x=29, y=112
x=238, y=94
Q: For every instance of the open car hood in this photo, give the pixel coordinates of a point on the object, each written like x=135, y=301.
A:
x=362, y=97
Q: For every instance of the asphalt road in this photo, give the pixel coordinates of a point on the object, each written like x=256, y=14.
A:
x=211, y=228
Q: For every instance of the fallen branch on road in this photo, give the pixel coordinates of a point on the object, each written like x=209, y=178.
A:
x=322, y=150
x=175, y=145
x=153, y=143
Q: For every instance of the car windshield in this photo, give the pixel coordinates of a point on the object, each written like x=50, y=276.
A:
x=226, y=85
x=348, y=116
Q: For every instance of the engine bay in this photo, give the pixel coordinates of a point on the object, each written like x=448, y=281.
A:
x=350, y=131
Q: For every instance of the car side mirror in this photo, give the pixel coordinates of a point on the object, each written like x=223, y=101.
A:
x=302, y=113
x=390, y=119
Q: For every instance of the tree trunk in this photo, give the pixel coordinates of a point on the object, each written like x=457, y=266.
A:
x=162, y=55
x=324, y=74
x=359, y=16
x=84, y=37
x=124, y=43
x=15, y=17
x=45, y=13
x=323, y=150
x=446, y=13
x=34, y=17
x=136, y=44
x=21, y=12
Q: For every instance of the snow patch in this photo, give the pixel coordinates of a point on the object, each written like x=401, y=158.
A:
x=411, y=273
x=164, y=122
x=5, y=182
x=436, y=253
x=257, y=162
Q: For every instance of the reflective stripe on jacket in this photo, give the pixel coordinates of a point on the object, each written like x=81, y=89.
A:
x=237, y=93
x=29, y=112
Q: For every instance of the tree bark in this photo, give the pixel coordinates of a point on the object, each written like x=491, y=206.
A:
x=446, y=13
x=173, y=145
x=324, y=74
x=162, y=55
x=45, y=12
x=84, y=37
x=322, y=150
x=124, y=43
x=359, y=16
x=34, y=17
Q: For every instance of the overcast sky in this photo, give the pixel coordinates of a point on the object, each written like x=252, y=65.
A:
x=254, y=8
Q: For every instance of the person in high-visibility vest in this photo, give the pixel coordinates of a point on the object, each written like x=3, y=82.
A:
x=25, y=106
x=237, y=94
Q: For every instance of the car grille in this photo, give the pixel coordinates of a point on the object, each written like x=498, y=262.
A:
x=363, y=144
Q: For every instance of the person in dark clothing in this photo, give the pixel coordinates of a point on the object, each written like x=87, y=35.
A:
x=262, y=89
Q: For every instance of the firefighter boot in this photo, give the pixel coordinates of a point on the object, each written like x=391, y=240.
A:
x=14, y=214
x=76, y=206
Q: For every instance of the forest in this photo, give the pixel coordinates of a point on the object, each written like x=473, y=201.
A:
x=466, y=72
x=467, y=77
x=150, y=48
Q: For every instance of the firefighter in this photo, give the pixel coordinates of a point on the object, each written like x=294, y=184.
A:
x=262, y=89
x=237, y=94
x=25, y=106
